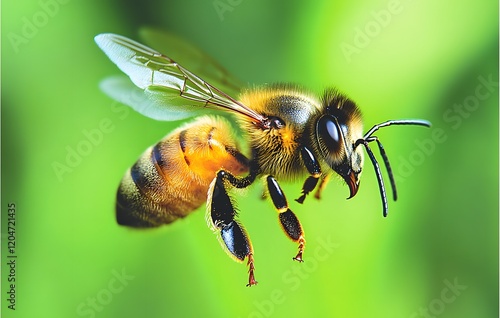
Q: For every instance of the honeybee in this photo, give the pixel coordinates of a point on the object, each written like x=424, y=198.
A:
x=290, y=133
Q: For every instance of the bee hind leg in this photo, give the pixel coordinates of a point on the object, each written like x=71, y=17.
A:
x=288, y=220
x=222, y=216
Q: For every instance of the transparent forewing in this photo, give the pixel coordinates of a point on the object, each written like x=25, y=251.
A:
x=169, y=86
x=145, y=102
x=189, y=55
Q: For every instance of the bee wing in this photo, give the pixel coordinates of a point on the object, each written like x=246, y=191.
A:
x=121, y=89
x=197, y=61
x=167, y=85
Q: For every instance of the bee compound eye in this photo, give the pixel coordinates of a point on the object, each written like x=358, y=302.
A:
x=329, y=132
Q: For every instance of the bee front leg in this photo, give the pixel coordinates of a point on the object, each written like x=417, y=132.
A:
x=288, y=220
x=314, y=170
x=222, y=218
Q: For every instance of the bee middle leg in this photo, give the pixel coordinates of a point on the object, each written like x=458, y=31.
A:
x=288, y=219
x=223, y=218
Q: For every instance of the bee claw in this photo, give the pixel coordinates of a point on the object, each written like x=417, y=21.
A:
x=299, y=258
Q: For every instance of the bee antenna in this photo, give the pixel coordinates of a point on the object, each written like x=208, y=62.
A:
x=419, y=122
x=378, y=173
x=387, y=165
x=369, y=138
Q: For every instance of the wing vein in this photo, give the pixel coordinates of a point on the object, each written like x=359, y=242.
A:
x=163, y=80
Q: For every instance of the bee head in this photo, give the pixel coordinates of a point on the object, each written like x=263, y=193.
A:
x=339, y=133
x=337, y=130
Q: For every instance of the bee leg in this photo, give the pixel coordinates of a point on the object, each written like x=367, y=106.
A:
x=222, y=217
x=288, y=220
x=314, y=170
x=322, y=186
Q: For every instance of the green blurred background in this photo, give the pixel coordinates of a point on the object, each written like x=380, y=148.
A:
x=435, y=255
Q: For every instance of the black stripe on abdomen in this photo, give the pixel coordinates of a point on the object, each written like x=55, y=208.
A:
x=182, y=143
x=138, y=178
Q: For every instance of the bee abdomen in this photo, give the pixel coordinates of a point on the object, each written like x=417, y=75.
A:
x=170, y=180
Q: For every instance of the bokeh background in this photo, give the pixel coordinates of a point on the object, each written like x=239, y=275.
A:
x=435, y=255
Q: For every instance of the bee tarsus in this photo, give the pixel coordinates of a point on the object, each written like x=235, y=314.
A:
x=251, y=269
